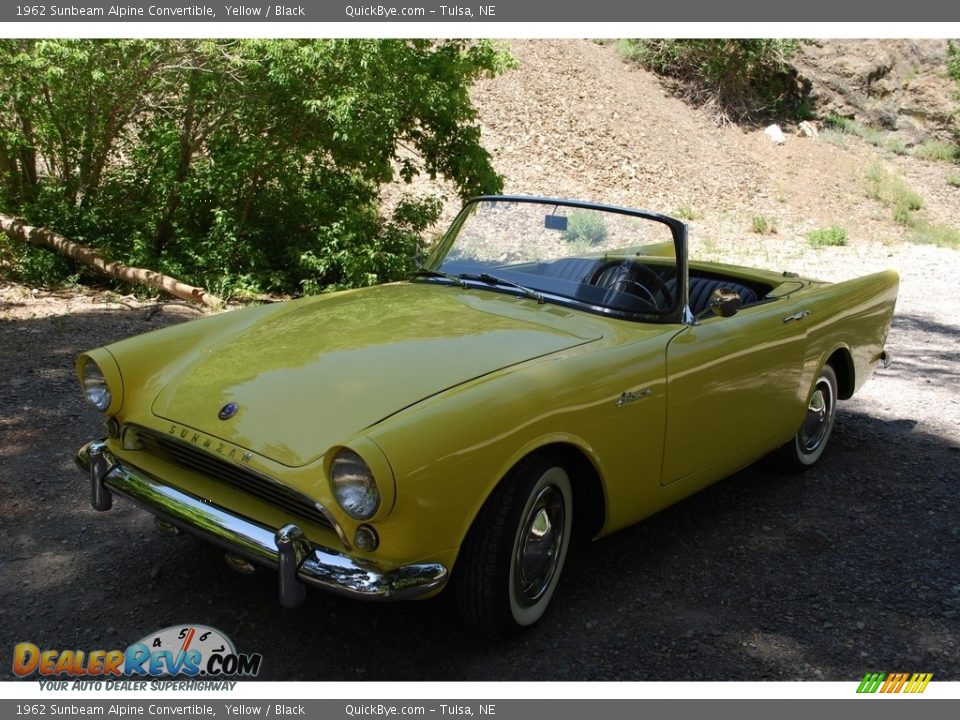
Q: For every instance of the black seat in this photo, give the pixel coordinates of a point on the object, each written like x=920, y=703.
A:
x=576, y=269
x=702, y=288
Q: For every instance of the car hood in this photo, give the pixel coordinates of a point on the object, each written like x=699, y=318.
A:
x=321, y=369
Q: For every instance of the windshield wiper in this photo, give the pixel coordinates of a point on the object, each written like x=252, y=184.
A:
x=481, y=277
x=425, y=272
x=494, y=280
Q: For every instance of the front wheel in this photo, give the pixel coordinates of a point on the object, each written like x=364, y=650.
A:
x=511, y=560
x=811, y=439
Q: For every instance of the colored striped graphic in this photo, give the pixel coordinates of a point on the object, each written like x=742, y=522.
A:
x=894, y=682
x=918, y=683
x=871, y=682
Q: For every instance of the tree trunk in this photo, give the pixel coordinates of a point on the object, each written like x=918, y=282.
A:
x=28, y=159
x=10, y=177
x=88, y=256
x=164, y=233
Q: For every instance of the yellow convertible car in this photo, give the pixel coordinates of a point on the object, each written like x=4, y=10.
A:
x=555, y=371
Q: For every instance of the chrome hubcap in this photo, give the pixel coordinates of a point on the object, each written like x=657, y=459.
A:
x=816, y=424
x=538, y=550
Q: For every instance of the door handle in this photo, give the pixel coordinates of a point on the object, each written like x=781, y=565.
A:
x=797, y=316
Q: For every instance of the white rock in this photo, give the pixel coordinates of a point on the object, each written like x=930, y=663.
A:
x=808, y=129
x=775, y=134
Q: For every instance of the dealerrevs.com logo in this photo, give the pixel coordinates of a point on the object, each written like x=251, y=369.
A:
x=184, y=650
x=888, y=683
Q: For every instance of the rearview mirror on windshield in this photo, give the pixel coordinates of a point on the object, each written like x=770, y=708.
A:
x=555, y=222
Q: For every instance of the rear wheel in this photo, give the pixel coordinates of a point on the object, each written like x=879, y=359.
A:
x=511, y=560
x=811, y=439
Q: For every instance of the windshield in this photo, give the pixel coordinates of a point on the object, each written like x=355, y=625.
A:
x=601, y=259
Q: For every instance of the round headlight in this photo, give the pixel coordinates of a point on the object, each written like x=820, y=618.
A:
x=95, y=387
x=353, y=485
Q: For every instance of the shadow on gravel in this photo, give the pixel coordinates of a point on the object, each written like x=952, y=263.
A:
x=924, y=352
x=906, y=322
x=848, y=568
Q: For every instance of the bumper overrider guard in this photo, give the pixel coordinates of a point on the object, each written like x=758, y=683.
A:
x=295, y=558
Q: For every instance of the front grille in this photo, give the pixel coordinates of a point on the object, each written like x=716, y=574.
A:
x=241, y=478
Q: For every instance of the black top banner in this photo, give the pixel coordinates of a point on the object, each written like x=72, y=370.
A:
x=486, y=11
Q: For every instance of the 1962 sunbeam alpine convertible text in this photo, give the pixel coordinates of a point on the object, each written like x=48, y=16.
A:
x=557, y=370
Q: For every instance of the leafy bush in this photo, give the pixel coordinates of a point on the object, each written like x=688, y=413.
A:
x=246, y=165
x=32, y=265
x=937, y=150
x=897, y=146
x=833, y=136
x=953, y=181
x=585, y=226
x=831, y=236
x=762, y=225
x=894, y=193
x=848, y=126
x=740, y=80
x=906, y=205
x=942, y=235
x=838, y=126
x=902, y=215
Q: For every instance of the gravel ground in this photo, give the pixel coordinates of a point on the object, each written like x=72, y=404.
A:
x=848, y=568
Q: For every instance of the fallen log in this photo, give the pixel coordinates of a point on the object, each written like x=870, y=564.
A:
x=91, y=257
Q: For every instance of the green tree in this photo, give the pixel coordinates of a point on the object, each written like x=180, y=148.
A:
x=64, y=106
x=241, y=163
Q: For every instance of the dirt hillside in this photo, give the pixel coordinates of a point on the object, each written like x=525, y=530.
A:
x=575, y=120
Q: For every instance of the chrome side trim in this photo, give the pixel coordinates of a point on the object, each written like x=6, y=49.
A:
x=297, y=560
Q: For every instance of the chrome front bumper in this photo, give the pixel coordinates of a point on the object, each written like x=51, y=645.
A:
x=296, y=559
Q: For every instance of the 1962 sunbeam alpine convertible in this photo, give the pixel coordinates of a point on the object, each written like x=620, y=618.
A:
x=556, y=370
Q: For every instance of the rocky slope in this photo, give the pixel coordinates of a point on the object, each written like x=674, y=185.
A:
x=898, y=85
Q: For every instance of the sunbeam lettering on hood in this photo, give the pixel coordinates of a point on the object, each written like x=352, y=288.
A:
x=325, y=368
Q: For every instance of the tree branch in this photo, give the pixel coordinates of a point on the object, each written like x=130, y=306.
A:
x=89, y=256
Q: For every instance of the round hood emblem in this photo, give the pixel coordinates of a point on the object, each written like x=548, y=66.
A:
x=228, y=411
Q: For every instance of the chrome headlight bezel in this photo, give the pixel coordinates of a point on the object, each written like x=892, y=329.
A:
x=96, y=389
x=98, y=370
x=353, y=485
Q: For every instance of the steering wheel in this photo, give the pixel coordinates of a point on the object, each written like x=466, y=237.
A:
x=629, y=270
